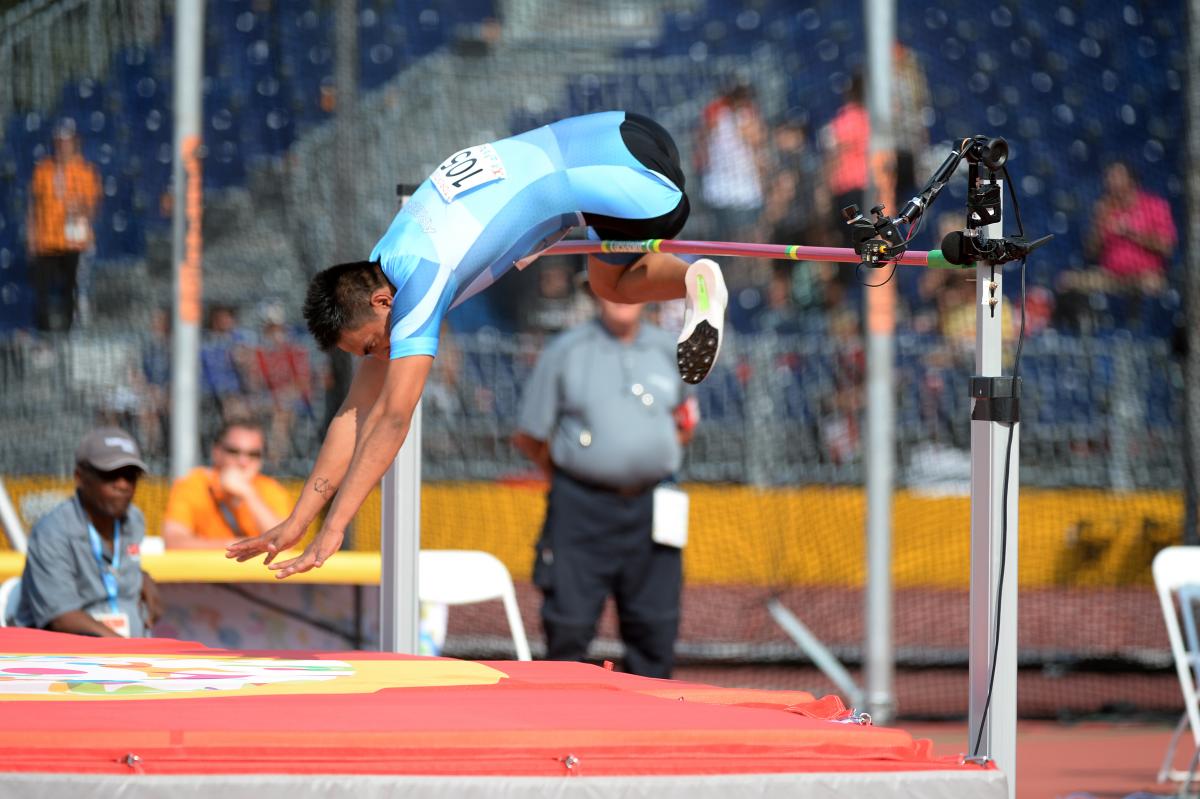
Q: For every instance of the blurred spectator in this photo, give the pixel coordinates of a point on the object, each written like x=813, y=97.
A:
x=442, y=392
x=797, y=212
x=780, y=315
x=946, y=302
x=223, y=363
x=210, y=507
x=150, y=380
x=841, y=409
x=555, y=305
x=911, y=106
x=845, y=141
x=946, y=297
x=1132, y=239
x=83, y=572
x=605, y=417
x=64, y=197
x=283, y=373
x=797, y=207
x=729, y=159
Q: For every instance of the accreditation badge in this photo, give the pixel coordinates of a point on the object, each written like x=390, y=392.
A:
x=670, y=525
x=117, y=622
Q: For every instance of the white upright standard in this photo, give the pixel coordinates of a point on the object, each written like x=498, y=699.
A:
x=992, y=724
x=400, y=546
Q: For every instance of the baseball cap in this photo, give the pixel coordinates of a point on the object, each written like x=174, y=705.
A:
x=109, y=448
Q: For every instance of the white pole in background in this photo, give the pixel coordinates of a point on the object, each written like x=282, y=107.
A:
x=400, y=546
x=879, y=455
x=187, y=244
x=10, y=520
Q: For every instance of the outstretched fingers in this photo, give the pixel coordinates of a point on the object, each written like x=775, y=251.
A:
x=246, y=548
x=298, y=565
x=314, y=556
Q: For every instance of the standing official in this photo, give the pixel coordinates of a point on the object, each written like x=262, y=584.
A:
x=606, y=417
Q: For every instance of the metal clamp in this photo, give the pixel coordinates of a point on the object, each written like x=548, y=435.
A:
x=997, y=399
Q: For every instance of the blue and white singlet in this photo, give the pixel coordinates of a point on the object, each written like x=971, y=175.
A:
x=489, y=206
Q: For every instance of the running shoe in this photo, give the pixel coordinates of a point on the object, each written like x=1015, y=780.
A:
x=703, y=319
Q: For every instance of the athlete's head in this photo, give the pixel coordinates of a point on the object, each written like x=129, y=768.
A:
x=347, y=307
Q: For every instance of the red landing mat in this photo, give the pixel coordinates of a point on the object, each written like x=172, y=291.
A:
x=157, y=706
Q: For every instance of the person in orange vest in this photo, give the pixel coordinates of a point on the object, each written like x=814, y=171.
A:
x=64, y=198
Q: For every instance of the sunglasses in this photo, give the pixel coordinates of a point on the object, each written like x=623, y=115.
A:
x=249, y=453
x=130, y=473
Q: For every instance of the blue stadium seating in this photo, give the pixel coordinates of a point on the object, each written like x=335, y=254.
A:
x=1070, y=89
x=265, y=83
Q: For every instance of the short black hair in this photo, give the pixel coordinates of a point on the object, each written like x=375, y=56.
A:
x=339, y=299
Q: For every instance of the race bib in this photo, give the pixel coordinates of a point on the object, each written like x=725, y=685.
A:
x=468, y=169
x=117, y=622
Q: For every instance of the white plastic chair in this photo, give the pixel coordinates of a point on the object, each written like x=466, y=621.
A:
x=1177, y=575
x=463, y=577
x=10, y=595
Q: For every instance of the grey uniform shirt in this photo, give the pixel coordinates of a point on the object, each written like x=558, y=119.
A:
x=61, y=572
x=605, y=407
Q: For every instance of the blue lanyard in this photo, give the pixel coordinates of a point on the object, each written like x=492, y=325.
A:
x=108, y=574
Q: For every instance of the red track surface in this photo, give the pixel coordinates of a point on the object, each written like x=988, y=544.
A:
x=1098, y=760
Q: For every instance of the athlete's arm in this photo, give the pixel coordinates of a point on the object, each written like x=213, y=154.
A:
x=329, y=470
x=379, y=439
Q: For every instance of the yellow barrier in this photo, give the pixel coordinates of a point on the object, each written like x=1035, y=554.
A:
x=787, y=536
x=208, y=566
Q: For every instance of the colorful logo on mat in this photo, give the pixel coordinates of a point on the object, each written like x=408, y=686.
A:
x=176, y=676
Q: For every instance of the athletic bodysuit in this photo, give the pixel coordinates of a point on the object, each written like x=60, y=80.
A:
x=494, y=206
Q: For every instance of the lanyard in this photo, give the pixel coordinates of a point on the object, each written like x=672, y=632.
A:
x=108, y=573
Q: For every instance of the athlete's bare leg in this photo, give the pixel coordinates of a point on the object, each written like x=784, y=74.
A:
x=656, y=277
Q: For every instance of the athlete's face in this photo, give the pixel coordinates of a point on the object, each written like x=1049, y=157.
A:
x=371, y=338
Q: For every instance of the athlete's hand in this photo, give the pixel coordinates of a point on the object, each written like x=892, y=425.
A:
x=326, y=542
x=273, y=541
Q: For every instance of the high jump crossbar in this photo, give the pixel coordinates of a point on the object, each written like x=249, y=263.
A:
x=784, y=252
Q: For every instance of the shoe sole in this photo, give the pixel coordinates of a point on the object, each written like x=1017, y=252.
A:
x=698, y=353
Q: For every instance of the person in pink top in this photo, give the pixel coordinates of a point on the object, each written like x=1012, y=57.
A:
x=845, y=139
x=1133, y=235
x=1131, y=241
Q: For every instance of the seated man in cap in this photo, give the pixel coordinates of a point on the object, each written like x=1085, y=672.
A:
x=83, y=570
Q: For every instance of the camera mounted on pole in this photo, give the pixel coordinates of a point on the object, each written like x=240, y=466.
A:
x=880, y=242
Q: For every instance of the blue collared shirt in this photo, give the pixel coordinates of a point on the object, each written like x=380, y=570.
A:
x=61, y=573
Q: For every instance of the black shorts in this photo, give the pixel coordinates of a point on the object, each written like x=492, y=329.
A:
x=650, y=144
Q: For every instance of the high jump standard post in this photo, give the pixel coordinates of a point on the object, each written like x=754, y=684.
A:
x=993, y=707
x=400, y=546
